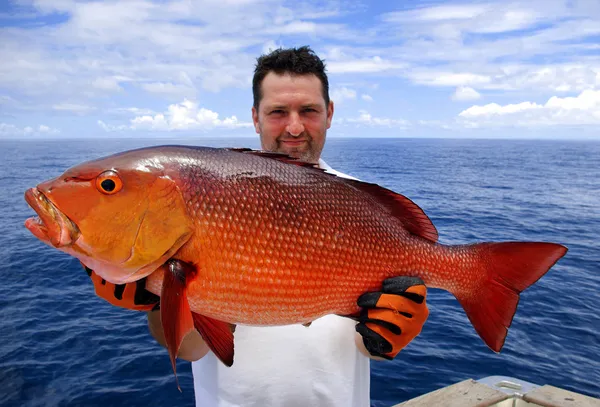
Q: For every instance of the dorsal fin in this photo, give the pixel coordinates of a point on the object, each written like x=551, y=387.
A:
x=276, y=156
x=409, y=213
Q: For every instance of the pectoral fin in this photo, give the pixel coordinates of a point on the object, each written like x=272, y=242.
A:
x=218, y=336
x=175, y=313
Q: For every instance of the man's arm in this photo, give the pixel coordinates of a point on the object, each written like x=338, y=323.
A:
x=134, y=296
x=193, y=346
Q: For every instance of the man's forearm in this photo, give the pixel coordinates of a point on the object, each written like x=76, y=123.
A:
x=193, y=346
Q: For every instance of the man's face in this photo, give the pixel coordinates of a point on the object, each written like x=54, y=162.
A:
x=292, y=117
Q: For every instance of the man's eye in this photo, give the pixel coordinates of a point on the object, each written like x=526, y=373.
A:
x=277, y=111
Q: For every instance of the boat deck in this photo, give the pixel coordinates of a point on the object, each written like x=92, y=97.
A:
x=501, y=391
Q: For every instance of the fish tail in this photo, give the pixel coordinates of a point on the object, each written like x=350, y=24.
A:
x=509, y=268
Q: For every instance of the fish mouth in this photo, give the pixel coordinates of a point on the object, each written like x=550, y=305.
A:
x=51, y=225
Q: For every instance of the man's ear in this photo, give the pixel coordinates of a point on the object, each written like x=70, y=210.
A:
x=330, y=109
x=255, y=120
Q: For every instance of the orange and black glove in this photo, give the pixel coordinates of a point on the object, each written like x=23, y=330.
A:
x=131, y=296
x=392, y=317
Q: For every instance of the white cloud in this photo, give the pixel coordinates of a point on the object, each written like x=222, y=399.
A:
x=296, y=27
x=366, y=118
x=583, y=109
x=450, y=79
x=557, y=78
x=169, y=89
x=487, y=18
x=109, y=127
x=438, y=124
x=516, y=77
x=456, y=39
x=73, y=108
x=186, y=115
x=7, y=100
x=10, y=130
x=436, y=14
x=107, y=83
x=270, y=46
x=495, y=109
x=134, y=110
x=510, y=20
x=338, y=95
x=176, y=49
x=309, y=11
x=100, y=47
x=463, y=93
x=374, y=64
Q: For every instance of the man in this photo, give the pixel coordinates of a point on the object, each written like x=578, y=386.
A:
x=326, y=363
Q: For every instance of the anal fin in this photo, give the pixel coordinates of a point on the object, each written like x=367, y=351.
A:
x=218, y=335
x=175, y=312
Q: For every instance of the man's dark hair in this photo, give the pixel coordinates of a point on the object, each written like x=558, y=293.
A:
x=294, y=61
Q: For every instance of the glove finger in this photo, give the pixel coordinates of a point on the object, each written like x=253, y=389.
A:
x=396, y=311
x=401, y=323
x=368, y=300
x=87, y=269
x=392, y=317
x=398, y=342
x=374, y=342
x=131, y=296
x=409, y=287
x=395, y=302
x=379, y=341
x=101, y=287
x=416, y=293
x=380, y=317
x=399, y=304
x=400, y=284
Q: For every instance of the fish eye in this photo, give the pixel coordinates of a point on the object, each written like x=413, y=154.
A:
x=109, y=182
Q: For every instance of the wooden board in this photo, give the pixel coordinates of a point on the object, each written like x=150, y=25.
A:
x=550, y=396
x=467, y=393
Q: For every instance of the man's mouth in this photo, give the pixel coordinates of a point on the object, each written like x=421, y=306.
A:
x=293, y=143
x=51, y=225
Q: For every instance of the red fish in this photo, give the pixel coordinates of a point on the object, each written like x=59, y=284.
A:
x=233, y=236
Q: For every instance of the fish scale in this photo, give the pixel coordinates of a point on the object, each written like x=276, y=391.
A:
x=284, y=206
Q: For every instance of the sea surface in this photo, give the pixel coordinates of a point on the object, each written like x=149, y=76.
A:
x=60, y=345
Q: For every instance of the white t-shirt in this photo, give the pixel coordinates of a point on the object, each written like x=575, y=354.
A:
x=289, y=366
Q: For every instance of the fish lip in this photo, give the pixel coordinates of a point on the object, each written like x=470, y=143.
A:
x=52, y=226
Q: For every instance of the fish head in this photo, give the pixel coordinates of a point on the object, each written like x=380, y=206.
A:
x=122, y=216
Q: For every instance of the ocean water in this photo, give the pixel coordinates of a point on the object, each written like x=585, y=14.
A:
x=60, y=345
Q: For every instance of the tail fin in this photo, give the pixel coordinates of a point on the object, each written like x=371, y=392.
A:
x=510, y=267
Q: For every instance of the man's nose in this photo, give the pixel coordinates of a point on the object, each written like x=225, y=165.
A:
x=295, y=126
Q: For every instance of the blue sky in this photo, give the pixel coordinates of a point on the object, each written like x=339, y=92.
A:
x=140, y=68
